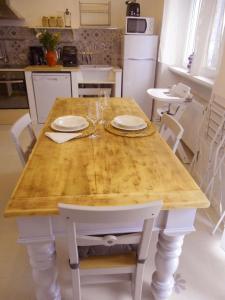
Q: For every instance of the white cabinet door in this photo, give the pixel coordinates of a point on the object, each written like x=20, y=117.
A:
x=140, y=46
x=138, y=76
x=48, y=87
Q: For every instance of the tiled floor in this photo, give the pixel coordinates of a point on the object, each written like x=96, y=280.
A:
x=200, y=276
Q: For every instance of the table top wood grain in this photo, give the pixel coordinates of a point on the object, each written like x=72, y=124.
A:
x=106, y=170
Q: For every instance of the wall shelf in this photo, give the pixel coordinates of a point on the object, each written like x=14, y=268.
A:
x=59, y=28
x=95, y=14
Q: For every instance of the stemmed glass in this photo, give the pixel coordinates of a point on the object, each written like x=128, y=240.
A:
x=94, y=116
x=103, y=103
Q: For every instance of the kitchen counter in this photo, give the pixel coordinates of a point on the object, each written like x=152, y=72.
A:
x=45, y=68
x=43, y=82
x=13, y=68
x=60, y=68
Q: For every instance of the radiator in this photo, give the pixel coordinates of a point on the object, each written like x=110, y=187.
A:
x=191, y=121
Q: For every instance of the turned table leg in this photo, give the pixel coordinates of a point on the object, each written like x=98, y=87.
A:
x=42, y=260
x=169, y=248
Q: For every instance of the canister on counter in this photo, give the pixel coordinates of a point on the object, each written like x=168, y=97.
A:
x=45, y=21
x=60, y=22
x=52, y=22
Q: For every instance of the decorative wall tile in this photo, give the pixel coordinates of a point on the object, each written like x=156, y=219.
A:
x=101, y=46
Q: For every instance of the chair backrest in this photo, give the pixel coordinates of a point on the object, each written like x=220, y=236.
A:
x=214, y=122
x=181, y=90
x=23, y=123
x=211, y=132
x=168, y=123
x=123, y=215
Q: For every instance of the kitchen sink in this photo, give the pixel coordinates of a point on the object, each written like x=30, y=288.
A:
x=98, y=67
x=96, y=73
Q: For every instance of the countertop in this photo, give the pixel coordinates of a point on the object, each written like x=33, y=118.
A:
x=60, y=68
x=45, y=68
x=13, y=68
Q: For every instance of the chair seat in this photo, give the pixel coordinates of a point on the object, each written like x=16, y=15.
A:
x=111, y=261
x=164, y=95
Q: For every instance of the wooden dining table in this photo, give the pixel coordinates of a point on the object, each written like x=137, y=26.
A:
x=103, y=169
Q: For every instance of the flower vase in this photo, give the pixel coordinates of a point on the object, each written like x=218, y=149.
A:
x=51, y=58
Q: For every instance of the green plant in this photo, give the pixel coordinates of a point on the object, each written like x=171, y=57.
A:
x=48, y=40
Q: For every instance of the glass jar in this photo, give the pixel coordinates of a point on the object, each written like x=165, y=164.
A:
x=45, y=21
x=52, y=22
x=67, y=18
x=60, y=22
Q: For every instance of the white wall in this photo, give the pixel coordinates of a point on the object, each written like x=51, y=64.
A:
x=33, y=10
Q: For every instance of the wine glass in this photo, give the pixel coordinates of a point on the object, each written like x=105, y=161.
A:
x=94, y=116
x=103, y=103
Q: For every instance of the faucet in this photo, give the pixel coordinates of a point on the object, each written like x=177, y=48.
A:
x=87, y=57
x=3, y=54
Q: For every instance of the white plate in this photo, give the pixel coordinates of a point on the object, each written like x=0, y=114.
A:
x=70, y=122
x=129, y=122
x=61, y=129
x=126, y=128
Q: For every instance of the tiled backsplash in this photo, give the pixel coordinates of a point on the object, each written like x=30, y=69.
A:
x=104, y=45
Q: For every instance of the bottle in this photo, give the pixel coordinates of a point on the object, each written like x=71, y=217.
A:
x=190, y=60
x=67, y=18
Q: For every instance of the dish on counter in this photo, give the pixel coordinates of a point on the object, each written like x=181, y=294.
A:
x=69, y=123
x=127, y=128
x=128, y=122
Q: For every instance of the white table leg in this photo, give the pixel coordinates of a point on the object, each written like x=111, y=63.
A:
x=169, y=248
x=42, y=259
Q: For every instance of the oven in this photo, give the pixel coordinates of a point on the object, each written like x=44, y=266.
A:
x=13, y=92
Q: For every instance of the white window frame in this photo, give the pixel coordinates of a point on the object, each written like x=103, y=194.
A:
x=206, y=69
x=192, y=28
x=207, y=14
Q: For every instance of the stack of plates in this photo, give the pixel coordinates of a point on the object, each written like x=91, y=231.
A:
x=69, y=123
x=128, y=122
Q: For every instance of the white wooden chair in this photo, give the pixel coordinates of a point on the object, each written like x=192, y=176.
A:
x=209, y=157
x=107, y=268
x=217, y=172
x=211, y=133
x=170, y=125
x=24, y=123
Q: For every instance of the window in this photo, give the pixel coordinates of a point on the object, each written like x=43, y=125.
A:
x=215, y=39
x=210, y=36
x=193, y=26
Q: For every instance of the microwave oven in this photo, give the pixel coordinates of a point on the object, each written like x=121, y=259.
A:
x=139, y=25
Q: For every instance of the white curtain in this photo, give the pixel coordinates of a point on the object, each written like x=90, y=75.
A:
x=176, y=20
x=204, y=26
x=174, y=30
x=219, y=86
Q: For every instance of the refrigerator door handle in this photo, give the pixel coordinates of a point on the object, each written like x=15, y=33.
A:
x=150, y=59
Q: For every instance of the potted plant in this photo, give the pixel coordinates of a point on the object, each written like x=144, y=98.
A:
x=49, y=41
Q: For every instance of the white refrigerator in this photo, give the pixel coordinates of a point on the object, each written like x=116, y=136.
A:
x=139, y=64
